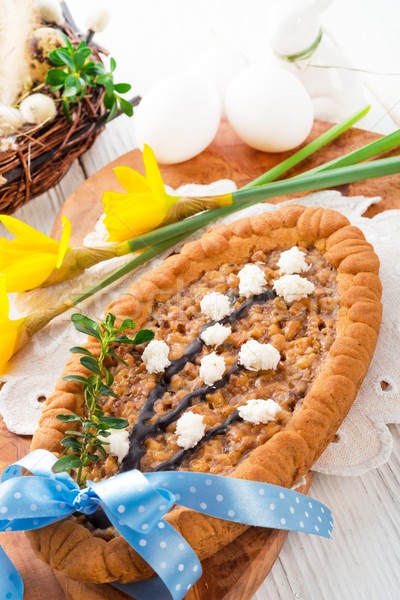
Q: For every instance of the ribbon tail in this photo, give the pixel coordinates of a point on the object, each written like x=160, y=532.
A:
x=11, y=581
x=145, y=590
x=169, y=554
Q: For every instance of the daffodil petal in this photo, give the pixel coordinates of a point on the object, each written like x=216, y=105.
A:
x=153, y=174
x=63, y=247
x=28, y=237
x=131, y=180
x=4, y=301
x=29, y=272
x=126, y=224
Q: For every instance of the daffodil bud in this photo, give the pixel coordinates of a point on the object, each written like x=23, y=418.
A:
x=50, y=11
x=10, y=119
x=98, y=18
x=38, y=108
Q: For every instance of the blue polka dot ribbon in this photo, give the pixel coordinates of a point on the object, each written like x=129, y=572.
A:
x=136, y=503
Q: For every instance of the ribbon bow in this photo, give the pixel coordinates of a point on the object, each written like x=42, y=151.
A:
x=136, y=503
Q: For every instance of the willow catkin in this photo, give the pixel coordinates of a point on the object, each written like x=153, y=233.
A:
x=18, y=18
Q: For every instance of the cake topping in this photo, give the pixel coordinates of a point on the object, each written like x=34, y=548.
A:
x=189, y=429
x=293, y=287
x=118, y=443
x=252, y=280
x=155, y=357
x=216, y=334
x=215, y=306
x=292, y=261
x=255, y=356
x=212, y=368
x=259, y=411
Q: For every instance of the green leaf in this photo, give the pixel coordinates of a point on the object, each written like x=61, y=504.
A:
x=55, y=77
x=115, y=422
x=54, y=57
x=76, y=433
x=76, y=379
x=109, y=86
x=94, y=458
x=90, y=363
x=86, y=325
x=101, y=79
x=143, y=336
x=110, y=319
x=92, y=68
x=113, y=106
x=106, y=391
x=70, y=80
x=71, y=442
x=111, y=352
x=67, y=41
x=122, y=88
x=79, y=58
x=108, y=377
x=113, y=64
x=64, y=58
x=127, y=324
x=68, y=418
x=126, y=106
x=105, y=434
x=66, y=463
x=101, y=449
x=70, y=92
x=80, y=350
x=54, y=88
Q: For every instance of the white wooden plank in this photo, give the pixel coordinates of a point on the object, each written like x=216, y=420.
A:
x=362, y=560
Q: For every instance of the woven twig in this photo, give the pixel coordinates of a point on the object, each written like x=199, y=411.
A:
x=44, y=154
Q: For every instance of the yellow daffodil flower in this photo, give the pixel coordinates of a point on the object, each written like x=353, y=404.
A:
x=143, y=207
x=28, y=260
x=146, y=205
x=10, y=331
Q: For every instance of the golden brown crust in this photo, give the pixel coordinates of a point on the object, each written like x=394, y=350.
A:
x=290, y=453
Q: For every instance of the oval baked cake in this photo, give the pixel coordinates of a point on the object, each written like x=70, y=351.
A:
x=264, y=330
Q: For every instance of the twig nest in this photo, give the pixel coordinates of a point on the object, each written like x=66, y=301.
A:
x=38, y=47
x=98, y=17
x=10, y=119
x=50, y=11
x=269, y=108
x=38, y=108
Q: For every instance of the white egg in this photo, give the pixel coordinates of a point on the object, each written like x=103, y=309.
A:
x=219, y=66
x=269, y=108
x=178, y=117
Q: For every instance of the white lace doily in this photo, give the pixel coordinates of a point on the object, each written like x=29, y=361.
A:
x=364, y=441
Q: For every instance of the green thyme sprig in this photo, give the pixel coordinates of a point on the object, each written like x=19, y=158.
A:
x=76, y=74
x=84, y=445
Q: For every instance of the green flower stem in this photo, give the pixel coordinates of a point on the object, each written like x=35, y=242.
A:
x=306, y=151
x=384, y=144
x=248, y=196
x=130, y=266
x=318, y=181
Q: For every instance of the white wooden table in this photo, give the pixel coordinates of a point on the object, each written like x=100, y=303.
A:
x=362, y=561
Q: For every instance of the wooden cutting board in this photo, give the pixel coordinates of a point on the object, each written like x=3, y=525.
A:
x=236, y=572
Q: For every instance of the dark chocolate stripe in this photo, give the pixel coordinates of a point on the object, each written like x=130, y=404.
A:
x=180, y=456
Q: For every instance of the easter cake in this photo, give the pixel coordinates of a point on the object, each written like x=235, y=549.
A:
x=264, y=330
